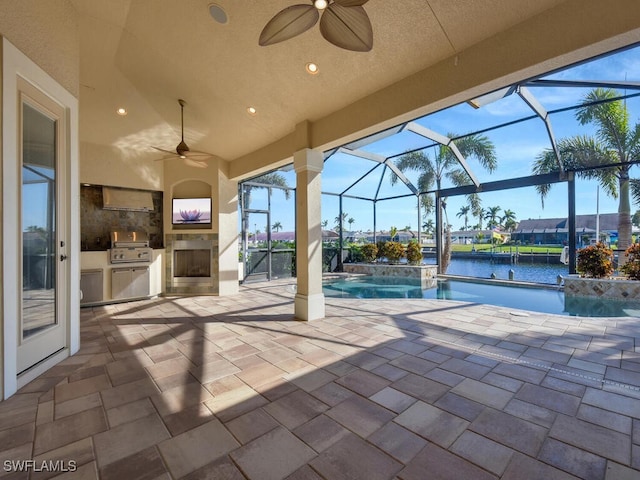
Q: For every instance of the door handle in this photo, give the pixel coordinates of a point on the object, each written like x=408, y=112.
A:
x=63, y=258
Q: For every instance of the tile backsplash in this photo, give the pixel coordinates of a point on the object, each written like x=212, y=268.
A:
x=96, y=224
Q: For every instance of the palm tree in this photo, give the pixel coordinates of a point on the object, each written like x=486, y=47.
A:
x=428, y=227
x=268, y=179
x=276, y=226
x=340, y=221
x=509, y=220
x=325, y=223
x=492, y=216
x=615, y=142
x=350, y=221
x=444, y=164
x=479, y=212
x=464, y=212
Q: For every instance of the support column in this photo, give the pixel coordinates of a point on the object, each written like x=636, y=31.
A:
x=439, y=231
x=309, y=300
x=571, y=217
x=227, y=210
x=419, y=221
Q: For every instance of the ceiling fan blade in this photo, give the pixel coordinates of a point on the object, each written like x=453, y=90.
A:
x=351, y=3
x=172, y=157
x=197, y=154
x=288, y=23
x=347, y=27
x=170, y=152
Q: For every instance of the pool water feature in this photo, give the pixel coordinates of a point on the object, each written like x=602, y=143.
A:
x=524, y=297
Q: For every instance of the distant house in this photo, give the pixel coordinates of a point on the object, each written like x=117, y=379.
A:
x=402, y=236
x=327, y=236
x=547, y=231
x=467, y=237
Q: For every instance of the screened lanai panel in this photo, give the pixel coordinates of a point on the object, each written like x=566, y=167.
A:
x=283, y=214
x=330, y=211
x=389, y=188
x=401, y=213
x=558, y=98
x=342, y=170
x=358, y=216
x=365, y=187
x=256, y=198
x=402, y=141
x=463, y=118
x=516, y=148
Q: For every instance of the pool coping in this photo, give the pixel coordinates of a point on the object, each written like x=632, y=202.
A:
x=502, y=282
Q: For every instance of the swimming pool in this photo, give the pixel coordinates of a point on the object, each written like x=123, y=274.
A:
x=545, y=300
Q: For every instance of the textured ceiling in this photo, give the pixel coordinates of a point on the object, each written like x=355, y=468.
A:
x=145, y=54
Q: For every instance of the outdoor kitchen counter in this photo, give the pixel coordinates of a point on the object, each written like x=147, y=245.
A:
x=92, y=261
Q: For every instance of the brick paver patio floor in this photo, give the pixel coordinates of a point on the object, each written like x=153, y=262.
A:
x=235, y=387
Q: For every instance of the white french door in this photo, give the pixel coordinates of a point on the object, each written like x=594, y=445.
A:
x=42, y=147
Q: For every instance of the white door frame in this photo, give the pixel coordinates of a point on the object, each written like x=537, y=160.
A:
x=16, y=64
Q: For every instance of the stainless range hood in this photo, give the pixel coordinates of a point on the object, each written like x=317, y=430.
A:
x=125, y=199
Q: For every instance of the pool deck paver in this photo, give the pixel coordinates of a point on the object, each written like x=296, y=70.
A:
x=235, y=387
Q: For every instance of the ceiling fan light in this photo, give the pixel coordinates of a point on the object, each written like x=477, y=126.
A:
x=320, y=4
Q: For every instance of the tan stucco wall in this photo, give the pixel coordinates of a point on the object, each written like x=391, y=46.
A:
x=46, y=31
x=177, y=174
x=119, y=166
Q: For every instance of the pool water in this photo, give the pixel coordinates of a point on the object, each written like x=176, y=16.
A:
x=544, y=300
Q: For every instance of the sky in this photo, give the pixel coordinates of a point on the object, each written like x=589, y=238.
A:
x=516, y=148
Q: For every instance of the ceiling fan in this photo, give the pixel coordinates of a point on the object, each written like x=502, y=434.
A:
x=343, y=23
x=191, y=157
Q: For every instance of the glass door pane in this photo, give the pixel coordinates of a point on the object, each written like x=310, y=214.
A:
x=38, y=221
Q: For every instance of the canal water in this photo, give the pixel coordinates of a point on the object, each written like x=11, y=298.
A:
x=523, y=272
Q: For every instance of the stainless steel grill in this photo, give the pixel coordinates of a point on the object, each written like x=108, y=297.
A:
x=130, y=247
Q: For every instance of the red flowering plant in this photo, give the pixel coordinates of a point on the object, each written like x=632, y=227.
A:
x=394, y=251
x=414, y=253
x=631, y=269
x=595, y=261
x=369, y=252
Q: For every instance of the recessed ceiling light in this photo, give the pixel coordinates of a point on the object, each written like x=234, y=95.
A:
x=218, y=14
x=312, y=68
x=121, y=111
x=251, y=111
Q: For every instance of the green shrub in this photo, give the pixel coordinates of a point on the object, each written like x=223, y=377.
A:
x=355, y=253
x=369, y=252
x=394, y=251
x=631, y=269
x=414, y=253
x=595, y=261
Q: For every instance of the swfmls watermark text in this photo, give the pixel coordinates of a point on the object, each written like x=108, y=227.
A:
x=58, y=466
